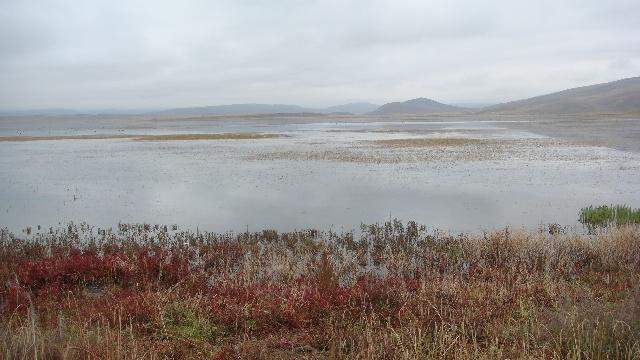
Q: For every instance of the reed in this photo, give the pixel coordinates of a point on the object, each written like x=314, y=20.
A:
x=604, y=215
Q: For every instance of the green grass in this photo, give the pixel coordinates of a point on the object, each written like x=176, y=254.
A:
x=604, y=215
x=183, y=322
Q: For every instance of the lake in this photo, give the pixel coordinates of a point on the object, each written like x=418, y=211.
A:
x=456, y=173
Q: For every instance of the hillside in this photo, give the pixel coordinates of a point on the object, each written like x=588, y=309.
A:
x=416, y=106
x=353, y=108
x=622, y=96
x=253, y=109
x=237, y=109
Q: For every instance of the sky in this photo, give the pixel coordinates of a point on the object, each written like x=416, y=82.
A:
x=163, y=54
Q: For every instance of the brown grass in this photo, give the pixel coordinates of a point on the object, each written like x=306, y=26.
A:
x=394, y=291
x=225, y=136
x=19, y=138
x=169, y=137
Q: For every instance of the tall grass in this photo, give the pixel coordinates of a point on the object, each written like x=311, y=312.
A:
x=394, y=290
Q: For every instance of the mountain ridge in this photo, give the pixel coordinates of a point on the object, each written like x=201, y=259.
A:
x=417, y=106
x=615, y=97
x=255, y=109
x=619, y=96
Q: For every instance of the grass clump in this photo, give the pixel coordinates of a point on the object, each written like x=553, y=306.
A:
x=182, y=321
x=603, y=216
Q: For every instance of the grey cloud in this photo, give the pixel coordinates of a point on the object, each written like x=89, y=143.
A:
x=100, y=54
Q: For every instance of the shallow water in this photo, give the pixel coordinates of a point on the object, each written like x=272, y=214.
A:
x=327, y=173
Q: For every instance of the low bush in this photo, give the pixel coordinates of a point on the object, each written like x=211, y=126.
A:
x=392, y=290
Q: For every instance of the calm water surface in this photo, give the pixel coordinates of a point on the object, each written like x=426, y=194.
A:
x=289, y=182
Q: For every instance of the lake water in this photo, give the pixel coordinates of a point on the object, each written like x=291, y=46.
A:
x=324, y=172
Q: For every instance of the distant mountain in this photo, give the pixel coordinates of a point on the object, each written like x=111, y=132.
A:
x=38, y=112
x=238, y=109
x=254, y=109
x=416, y=106
x=353, y=108
x=622, y=96
x=74, y=112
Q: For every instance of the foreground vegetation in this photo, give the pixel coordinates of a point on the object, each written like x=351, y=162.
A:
x=394, y=290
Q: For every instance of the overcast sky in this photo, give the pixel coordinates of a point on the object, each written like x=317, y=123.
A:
x=162, y=54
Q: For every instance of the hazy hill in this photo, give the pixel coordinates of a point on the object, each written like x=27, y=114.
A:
x=622, y=96
x=416, y=106
x=252, y=109
x=353, y=108
x=238, y=109
x=40, y=112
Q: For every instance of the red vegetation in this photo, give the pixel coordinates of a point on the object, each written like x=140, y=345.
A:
x=396, y=290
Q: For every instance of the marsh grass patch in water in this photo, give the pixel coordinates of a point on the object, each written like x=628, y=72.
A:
x=429, y=142
x=166, y=137
x=603, y=216
x=437, y=150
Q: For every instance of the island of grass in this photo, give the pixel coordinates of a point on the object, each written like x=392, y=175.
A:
x=606, y=215
x=164, y=137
